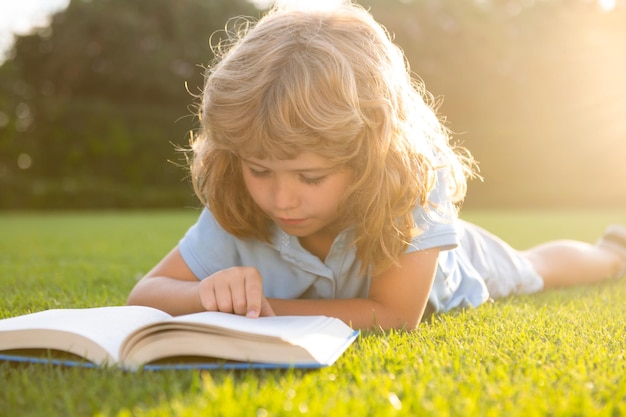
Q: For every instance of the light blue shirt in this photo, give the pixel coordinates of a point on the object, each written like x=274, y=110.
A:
x=290, y=271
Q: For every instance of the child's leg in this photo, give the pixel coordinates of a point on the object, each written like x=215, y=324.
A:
x=565, y=262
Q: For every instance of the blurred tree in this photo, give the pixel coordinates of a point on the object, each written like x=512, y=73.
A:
x=91, y=105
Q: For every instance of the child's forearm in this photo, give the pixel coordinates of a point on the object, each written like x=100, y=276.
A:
x=397, y=297
x=173, y=296
x=178, y=297
x=359, y=313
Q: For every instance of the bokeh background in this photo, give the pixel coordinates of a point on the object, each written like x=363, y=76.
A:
x=95, y=99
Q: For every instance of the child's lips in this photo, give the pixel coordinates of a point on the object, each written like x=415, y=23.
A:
x=290, y=222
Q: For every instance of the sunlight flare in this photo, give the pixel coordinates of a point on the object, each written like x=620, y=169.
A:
x=607, y=5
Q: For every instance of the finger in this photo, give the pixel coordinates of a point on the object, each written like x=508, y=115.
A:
x=207, y=295
x=254, y=294
x=238, y=296
x=223, y=296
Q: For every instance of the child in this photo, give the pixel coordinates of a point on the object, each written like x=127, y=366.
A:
x=330, y=187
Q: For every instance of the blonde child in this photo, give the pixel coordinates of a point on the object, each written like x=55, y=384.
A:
x=331, y=187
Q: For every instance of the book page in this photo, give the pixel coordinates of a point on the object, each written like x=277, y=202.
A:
x=104, y=326
x=288, y=328
x=275, y=328
x=289, y=340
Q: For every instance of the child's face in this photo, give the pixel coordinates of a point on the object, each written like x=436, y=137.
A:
x=300, y=195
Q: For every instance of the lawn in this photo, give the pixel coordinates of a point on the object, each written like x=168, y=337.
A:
x=560, y=353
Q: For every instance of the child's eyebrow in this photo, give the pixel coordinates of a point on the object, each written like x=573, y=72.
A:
x=305, y=169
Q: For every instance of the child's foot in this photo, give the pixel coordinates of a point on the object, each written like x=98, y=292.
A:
x=614, y=239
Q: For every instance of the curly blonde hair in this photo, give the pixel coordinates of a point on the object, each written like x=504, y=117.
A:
x=330, y=82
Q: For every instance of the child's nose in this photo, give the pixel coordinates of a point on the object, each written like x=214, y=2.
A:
x=285, y=194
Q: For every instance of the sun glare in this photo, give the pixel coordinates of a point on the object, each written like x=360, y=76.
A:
x=607, y=5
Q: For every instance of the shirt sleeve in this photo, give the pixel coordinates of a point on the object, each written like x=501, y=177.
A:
x=437, y=222
x=207, y=247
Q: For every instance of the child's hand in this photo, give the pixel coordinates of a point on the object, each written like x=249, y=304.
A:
x=237, y=290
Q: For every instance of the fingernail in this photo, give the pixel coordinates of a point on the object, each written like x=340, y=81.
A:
x=252, y=314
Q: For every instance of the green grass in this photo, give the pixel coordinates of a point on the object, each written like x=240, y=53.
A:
x=560, y=353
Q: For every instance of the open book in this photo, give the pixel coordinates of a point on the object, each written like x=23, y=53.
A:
x=133, y=336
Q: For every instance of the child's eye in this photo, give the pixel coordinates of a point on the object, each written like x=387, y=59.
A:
x=258, y=173
x=313, y=181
